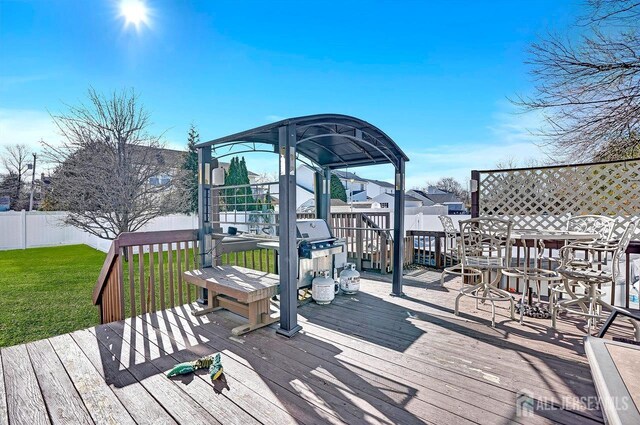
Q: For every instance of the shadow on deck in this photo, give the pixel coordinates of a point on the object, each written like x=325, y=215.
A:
x=366, y=358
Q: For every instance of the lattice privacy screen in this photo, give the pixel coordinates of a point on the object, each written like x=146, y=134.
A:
x=546, y=197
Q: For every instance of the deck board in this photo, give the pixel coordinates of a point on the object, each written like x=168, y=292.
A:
x=4, y=418
x=239, y=379
x=63, y=401
x=25, y=404
x=335, y=392
x=391, y=331
x=366, y=358
x=134, y=397
x=276, y=375
x=382, y=387
x=98, y=398
x=225, y=395
x=182, y=406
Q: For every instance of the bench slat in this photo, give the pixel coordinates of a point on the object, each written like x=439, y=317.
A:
x=245, y=285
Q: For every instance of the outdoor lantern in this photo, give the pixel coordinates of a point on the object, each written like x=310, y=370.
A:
x=217, y=176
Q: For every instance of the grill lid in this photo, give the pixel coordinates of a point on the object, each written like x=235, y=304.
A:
x=313, y=230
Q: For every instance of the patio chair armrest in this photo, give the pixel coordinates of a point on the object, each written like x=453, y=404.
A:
x=609, y=246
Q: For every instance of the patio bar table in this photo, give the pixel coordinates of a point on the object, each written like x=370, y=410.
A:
x=538, y=237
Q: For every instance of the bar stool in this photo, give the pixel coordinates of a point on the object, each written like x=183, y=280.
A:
x=452, y=250
x=485, y=245
x=590, y=276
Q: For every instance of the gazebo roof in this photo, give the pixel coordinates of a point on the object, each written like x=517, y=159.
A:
x=329, y=140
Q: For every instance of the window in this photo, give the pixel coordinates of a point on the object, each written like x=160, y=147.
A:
x=384, y=205
x=159, y=180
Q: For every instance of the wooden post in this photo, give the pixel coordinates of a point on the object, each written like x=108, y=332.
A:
x=359, y=241
x=475, y=194
x=438, y=253
x=383, y=253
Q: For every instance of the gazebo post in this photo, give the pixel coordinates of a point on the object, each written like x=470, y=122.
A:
x=287, y=224
x=204, y=212
x=323, y=195
x=398, y=230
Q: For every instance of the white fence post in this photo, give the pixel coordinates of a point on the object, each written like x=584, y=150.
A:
x=23, y=229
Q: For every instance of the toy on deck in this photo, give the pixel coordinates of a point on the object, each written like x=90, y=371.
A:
x=213, y=362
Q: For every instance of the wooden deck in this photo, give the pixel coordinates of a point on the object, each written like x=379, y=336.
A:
x=368, y=358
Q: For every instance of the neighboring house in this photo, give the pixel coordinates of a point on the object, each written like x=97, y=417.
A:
x=433, y=196
x=253, y=177
x=357, y=196
x=376, y=187
x=176, y=159
x=173, y=158
x=419, y=194
x=355, y=186
x=387, y=200
x=304, y=196
x=310, y=205
x=359, y=189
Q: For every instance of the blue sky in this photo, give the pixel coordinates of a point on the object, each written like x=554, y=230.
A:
x=435, y=76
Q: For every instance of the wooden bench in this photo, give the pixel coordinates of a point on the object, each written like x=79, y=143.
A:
x=243, y=291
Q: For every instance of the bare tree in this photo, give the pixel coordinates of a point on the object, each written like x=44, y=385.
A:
x=509, y=163
x=111, y=175
x=15, y=162
x=451, y=185
x=266, y=177
x=589, y=89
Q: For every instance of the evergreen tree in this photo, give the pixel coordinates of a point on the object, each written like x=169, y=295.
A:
x=337, y=189
x=190, y=167
x=240, y=198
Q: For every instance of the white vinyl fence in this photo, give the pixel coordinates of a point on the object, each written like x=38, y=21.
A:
x=21, y=229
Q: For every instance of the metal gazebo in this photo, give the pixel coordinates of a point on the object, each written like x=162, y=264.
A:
x=330, y=141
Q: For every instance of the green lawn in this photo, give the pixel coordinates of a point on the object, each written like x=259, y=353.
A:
x=47, y=291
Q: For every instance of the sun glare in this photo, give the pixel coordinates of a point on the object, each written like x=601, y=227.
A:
x=134, y=12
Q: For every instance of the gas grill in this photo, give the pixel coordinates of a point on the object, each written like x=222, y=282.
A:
x=318, y=250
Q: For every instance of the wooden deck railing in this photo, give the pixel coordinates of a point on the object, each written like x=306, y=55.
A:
x=152, y=278
x=427, y=248
x=143, y=271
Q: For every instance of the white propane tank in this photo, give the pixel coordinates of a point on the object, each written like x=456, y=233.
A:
x=323, y=288
x=349, y=279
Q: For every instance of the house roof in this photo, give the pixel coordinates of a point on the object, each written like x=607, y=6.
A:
x=352, y=176
x=420, y=193
x=381, y=183
x=348, y=175
x=407, y=197
x=437, y=198
x=167, y=156
x=330, y=140
x=442, y=198
x=176, y=157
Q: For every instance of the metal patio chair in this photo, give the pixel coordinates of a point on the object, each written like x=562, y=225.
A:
x=593, y=224
x=590, y=275
x=452, y=251
x=588, y=223
x=485, y=245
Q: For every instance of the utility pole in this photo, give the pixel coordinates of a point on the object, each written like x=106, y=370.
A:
x=33, y=178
